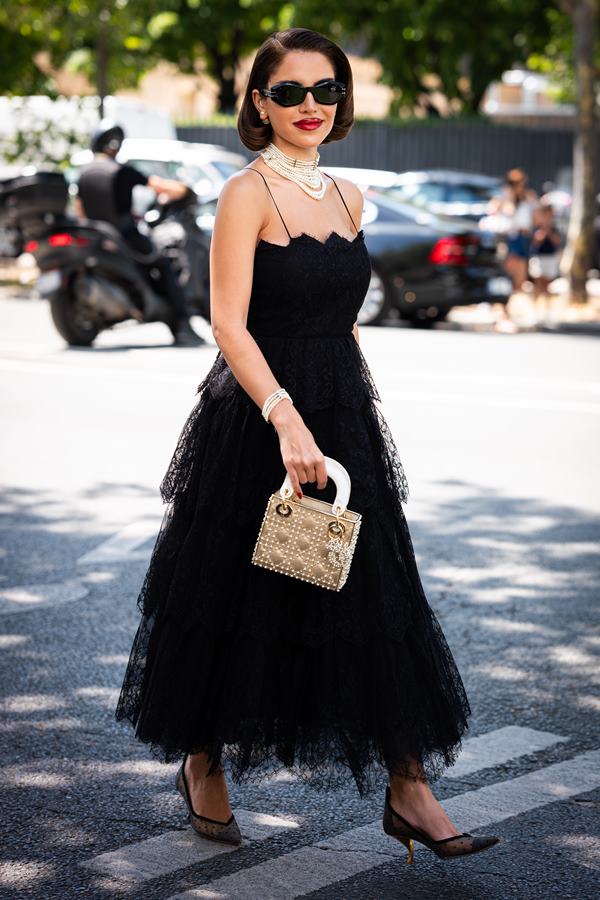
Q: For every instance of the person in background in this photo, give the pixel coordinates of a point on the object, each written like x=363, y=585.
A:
x=544, y=254
x=518, y=204
x=105, y=193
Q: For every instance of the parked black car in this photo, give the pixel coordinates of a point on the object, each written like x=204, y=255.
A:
x=444, y=192
x=447, y=192
x=423, y=265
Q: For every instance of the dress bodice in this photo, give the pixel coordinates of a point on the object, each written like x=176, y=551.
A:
x=308, y=287
x=304, y=301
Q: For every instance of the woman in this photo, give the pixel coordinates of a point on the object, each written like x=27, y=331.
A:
x=236, y=663
x=518, y=204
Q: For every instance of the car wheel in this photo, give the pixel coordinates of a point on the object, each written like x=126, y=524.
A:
x=376, y=305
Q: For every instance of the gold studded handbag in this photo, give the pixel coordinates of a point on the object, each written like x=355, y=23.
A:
x=308, y=538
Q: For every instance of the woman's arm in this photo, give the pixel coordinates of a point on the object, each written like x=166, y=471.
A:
x=174, y=190
x=555, y=236
x=241, y=213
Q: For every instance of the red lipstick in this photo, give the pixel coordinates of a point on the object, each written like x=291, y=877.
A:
x=308, y=124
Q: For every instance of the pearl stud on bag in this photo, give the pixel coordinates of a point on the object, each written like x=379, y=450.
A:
x=308, y=538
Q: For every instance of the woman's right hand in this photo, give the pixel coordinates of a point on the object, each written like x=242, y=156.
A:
x=302, y=458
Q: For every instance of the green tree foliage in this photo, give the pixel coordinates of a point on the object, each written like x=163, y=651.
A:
x=557, y=58
x=466, y=45
x=107, y=41
x=114, y=43
x=21, y=38
x=218, y=32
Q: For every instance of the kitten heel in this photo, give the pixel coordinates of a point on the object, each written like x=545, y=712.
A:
x=410, y=846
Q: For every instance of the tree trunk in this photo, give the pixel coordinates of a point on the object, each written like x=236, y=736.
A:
x=225, y=66
x=227, y=95
x=102, y=57
x=578, y=254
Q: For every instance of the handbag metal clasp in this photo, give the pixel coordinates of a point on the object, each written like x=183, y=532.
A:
x=338, y=528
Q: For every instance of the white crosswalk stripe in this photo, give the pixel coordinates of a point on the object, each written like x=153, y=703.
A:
x=175, y=850
x=494, y=748
x=24, y=597
x=123, y=546
x=311, y=868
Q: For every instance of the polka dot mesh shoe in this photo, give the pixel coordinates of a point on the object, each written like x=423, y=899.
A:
x=226, y=832
x=459, y=845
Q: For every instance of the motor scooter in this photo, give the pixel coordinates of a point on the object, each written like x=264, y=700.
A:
x=92, y=279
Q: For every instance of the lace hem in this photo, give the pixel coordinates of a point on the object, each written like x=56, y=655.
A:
x=331, y=732
x=329, y=760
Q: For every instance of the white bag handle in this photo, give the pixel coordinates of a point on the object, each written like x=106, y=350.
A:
x=340, y=476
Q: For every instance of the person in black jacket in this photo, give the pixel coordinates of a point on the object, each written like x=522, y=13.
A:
x=105, y=193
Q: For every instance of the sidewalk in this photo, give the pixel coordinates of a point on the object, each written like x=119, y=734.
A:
x=553, y=314
x=16, y=280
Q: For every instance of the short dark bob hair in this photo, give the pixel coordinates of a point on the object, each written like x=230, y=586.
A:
x=254, y=134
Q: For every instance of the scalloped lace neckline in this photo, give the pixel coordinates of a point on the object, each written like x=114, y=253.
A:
x=305, y=234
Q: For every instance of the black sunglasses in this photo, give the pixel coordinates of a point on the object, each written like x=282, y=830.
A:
x=287, y=93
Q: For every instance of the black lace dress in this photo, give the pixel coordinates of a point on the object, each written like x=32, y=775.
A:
x=264, y=670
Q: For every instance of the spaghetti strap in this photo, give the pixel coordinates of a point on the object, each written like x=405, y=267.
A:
x=343, y=201
x=272, y=197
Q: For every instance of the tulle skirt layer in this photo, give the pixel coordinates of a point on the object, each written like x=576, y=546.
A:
x=267, y=672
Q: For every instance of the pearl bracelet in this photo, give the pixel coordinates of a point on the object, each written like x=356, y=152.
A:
x=272, y=399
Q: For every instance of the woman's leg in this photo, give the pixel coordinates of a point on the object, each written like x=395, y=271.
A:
x=516, y=268
x=208, y=792
x=519, y=272
x=412, y=797
x=547, y=296
x=541, y=297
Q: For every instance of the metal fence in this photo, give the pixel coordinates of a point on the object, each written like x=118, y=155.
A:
x=488, y=148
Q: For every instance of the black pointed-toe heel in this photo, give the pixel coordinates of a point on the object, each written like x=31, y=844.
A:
x=226, y=832
x=459, y=845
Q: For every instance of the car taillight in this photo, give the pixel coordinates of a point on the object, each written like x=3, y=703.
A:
x=66, y=240
x=452, y=251
x=31, y=246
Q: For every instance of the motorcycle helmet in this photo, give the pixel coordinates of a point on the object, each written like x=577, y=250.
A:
x=108, y=135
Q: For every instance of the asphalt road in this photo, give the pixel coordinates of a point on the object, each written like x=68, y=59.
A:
x=499, y=436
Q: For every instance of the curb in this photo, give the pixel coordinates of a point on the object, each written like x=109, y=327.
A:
x=587, y=328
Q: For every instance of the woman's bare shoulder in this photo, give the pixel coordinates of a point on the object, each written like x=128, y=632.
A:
x=243, y=185
x=348, y=188
x=240, y=208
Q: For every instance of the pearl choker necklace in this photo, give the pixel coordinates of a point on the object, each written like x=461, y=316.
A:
x=304, y=173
